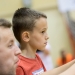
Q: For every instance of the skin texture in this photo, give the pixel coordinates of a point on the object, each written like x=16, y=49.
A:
x=8, y=52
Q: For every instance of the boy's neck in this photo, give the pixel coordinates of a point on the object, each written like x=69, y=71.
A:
x=29, y=53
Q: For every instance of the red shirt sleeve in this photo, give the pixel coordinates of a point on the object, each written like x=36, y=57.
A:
x=19, y=71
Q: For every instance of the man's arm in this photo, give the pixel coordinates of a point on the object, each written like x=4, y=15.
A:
x=69, y=71
x=60, y=69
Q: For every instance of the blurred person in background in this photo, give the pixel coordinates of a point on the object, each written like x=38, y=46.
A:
x=45, y=56
x=64, y=58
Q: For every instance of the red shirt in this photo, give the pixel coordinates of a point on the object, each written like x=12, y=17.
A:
x=28, y=66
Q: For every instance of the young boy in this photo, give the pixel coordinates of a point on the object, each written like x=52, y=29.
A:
x=30, y=29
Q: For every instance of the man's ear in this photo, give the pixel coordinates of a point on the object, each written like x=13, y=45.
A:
x=25, y=36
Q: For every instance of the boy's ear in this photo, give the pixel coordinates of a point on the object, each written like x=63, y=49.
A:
x=25, y=36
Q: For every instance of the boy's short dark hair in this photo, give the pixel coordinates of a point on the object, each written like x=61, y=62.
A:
x=24, y=20
x=5, y=23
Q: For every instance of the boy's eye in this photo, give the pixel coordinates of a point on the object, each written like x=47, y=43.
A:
x=43, y=31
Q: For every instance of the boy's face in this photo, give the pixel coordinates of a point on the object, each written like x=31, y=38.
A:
x=39, y=37
x=8, y=52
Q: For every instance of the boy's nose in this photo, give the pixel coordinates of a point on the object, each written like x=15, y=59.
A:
x=47, y=37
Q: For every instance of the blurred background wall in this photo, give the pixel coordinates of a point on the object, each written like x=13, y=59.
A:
x=59, y=37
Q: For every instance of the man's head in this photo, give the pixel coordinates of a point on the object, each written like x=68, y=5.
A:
x=8, y=49
x=27, y=21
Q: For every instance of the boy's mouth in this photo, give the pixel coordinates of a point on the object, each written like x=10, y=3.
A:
x=45, y=43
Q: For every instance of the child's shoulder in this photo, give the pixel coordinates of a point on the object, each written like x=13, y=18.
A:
x=38, y=57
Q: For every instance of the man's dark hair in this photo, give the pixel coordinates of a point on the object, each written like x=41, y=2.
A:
x=5, y=23
x=24, y=20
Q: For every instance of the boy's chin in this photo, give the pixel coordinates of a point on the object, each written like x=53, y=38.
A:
x=41, y=49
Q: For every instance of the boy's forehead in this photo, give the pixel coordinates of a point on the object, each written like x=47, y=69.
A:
x=41, y=24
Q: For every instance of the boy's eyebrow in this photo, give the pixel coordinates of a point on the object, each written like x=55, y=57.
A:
x=44, y=28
